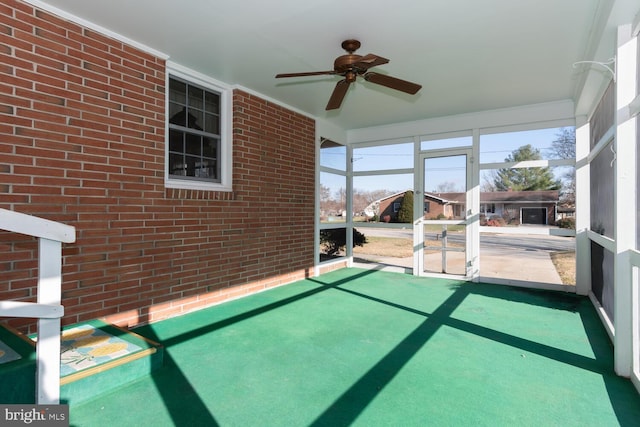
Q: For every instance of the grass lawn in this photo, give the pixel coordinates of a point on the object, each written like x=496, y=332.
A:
x=564, y=261
x=394, y=247
x=386, y=246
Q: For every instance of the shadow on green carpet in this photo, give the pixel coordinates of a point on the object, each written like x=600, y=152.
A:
x=360, y=347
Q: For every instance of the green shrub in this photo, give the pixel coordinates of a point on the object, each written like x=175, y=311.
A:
x=496, y=221
x=405, y=213
x=336, y=239
x=566, y=223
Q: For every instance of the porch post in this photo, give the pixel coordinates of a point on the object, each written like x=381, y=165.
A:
x=625, y=198
x=349, y=207
x=418, y=209
x=473, y=211
x=316, y=210
x=583, y=207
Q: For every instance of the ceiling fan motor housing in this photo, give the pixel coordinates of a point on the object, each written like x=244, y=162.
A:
x=345, y=63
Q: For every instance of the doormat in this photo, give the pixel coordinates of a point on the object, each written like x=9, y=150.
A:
x=7, y=354
x=86, y=346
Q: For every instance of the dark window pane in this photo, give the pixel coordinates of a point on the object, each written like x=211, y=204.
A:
x=176, y=141
x=212, y=103
x=196, y=97
x=207, y=169
x=203, y=169
x=176, y=114
x=194, y=145
x=176, y=164
x=191, y=164
x=198, y=167
x=212, y=124
x=177, y=92
x=210, y=148
x=195, y=119
x=179, y=118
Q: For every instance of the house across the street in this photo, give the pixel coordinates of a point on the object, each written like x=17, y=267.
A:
x=515, y=207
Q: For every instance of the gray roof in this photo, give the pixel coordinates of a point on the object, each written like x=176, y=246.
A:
x=501, y=196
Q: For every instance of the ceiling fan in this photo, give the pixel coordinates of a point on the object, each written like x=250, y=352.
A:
x=351, y=66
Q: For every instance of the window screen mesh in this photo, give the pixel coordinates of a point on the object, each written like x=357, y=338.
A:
x=602, y=277
x=603, y=117
x=602, y=192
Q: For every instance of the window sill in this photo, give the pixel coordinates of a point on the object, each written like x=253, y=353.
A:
x=195, y=185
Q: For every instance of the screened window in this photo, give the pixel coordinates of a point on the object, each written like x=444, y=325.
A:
x=383, y=157
x=602, y=192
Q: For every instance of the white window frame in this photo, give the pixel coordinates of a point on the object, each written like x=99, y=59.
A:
x=226, y=125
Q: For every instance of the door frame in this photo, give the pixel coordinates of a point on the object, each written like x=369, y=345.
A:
x=470, y=221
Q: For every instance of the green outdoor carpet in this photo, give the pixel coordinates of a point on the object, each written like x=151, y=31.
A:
x=367, y=348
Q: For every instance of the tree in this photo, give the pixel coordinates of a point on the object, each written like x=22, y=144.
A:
x=405, y=213
x=525, y=179
x=564, y=147
x=488, y=179
x=325, y=194
x=446, y=187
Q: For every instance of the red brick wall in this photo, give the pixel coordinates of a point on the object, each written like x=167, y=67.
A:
x=386, y=207
x=82, y=142
x=435, y=208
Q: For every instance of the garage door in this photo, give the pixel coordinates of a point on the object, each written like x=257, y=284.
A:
x=534, y=216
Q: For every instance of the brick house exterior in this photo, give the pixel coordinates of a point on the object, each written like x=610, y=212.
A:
x=82, y=141
x=528, y=207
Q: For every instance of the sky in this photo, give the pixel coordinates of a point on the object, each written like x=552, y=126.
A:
x=447, y=171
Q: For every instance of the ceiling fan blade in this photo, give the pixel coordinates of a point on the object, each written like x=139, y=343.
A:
x=310, y=73
x=392, y=82
x=338, y=95
x=369, y=61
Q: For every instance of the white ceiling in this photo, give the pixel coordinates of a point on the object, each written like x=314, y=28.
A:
x=469, y=55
